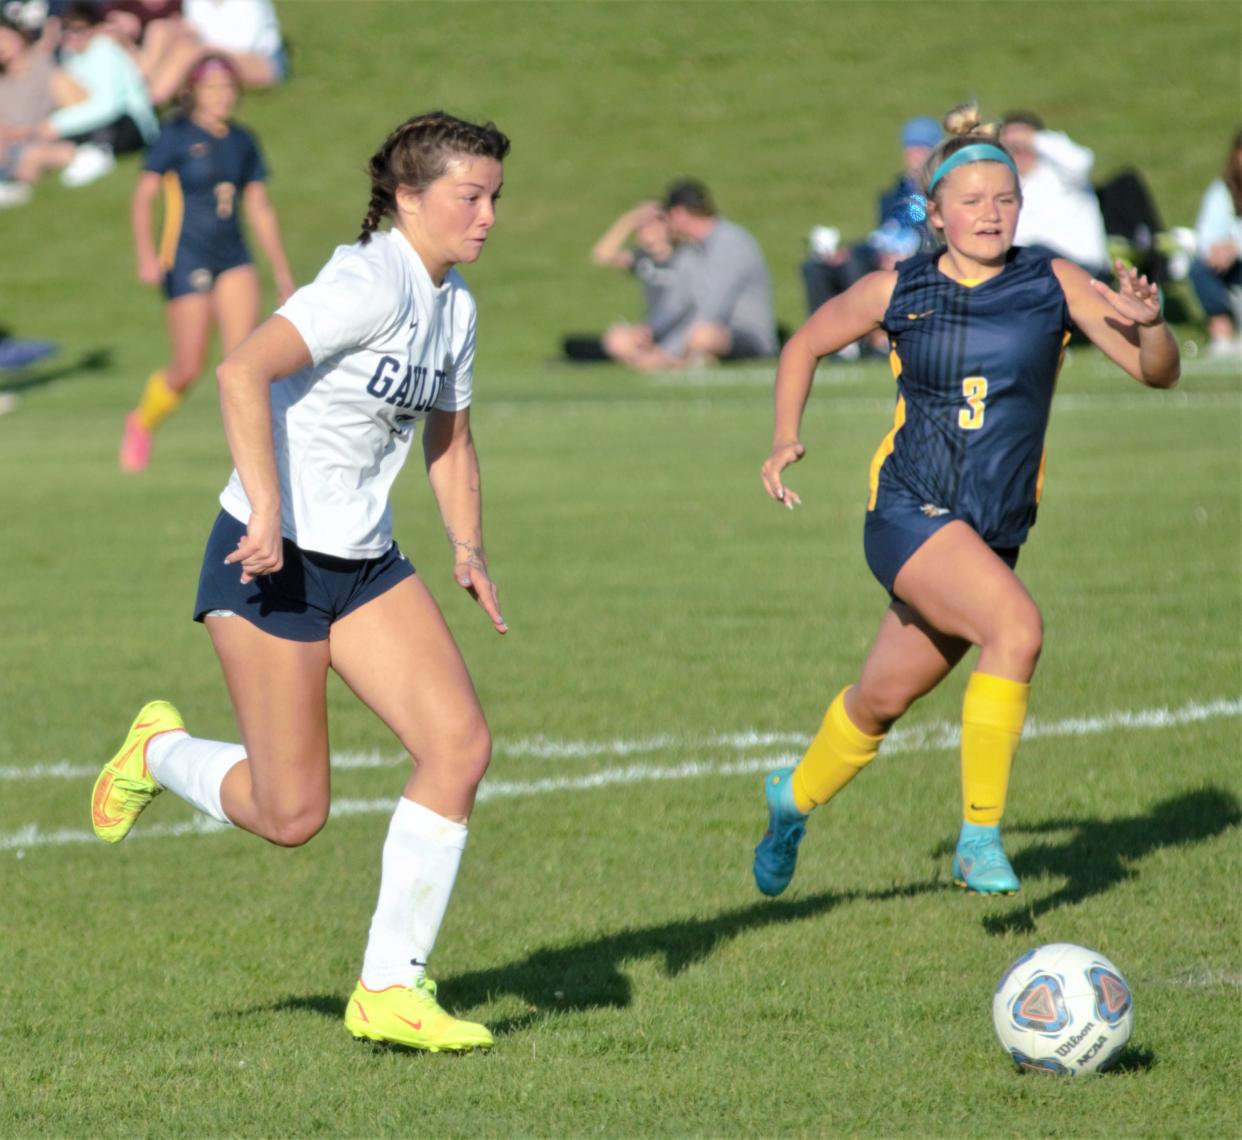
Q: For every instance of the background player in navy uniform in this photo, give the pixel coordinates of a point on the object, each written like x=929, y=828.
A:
x=302, y=575
x=977, y=330
x=207, y=167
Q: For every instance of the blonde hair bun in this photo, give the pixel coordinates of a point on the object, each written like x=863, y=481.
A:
x=963, y=121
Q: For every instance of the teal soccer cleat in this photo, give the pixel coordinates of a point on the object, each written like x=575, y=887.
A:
x=979, y=863
x=777, y=853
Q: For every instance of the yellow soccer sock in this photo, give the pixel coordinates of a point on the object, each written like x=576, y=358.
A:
x=838, y=753
x=993, y=713
x=158, y=402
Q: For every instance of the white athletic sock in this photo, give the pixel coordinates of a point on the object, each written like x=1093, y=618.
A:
x=420, y=861
x=193, y=768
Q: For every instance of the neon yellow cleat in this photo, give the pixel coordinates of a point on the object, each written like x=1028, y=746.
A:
x=410, y=1015
x=126, y=786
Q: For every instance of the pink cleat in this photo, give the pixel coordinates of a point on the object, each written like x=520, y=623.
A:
x=135, y=445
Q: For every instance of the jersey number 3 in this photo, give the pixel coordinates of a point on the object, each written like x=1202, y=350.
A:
x=974, y=392
x=224, y=199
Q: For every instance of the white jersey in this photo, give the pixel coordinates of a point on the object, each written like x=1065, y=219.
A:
x=387, y=345
x=242, y=26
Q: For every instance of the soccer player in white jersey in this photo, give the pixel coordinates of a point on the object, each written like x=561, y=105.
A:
x=301, y=573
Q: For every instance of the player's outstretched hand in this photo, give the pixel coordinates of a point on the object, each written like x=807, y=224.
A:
x=1136, y=298
x=261, y=549
x=782, y=456
x=472, y=576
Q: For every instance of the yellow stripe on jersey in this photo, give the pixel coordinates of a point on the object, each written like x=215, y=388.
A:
x=885, y=450
x=1043, y=456
x=174, y=213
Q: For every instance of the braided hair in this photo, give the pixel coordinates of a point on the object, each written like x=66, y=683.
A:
x=418, y=152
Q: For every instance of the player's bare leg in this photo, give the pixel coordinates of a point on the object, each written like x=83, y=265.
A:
x=959, y=585
x=398, y=656
x=397, y=653
x=235, y=303
x=281, y=790
x=907, y=659
x=189, y=326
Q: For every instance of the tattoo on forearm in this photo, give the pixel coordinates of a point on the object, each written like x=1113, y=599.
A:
x=472, y=550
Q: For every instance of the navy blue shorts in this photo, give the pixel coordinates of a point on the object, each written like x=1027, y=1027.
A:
x=195, y=270
x=302, y=600
x=898, y=525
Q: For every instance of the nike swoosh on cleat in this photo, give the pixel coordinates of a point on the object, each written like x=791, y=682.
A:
x=116, y=765
x=101, y=817
x=411, y=1024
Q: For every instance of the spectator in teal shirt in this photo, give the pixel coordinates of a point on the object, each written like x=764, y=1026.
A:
x=111, y=114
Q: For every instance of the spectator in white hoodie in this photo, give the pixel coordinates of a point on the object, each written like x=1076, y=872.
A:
x=1060, y=210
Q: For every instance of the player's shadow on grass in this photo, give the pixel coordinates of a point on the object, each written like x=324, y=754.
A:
x=588, y=975
x=1099, y=853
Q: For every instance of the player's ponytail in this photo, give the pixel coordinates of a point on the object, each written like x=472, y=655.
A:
x=418, y=152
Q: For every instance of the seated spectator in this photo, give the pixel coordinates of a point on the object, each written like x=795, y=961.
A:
x=103, y=109
x=27, y=68
x=731, y=315
x=1216, y=271
x=247, y=32
x=1060, y=209
x=639, y=242
x=900, y=233
x=145, y=28
x=1133, y=224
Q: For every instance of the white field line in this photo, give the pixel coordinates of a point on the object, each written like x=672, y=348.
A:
x=939, y=736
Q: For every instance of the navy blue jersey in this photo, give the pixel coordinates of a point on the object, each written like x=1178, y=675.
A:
x=204, y=176
x=976, y=367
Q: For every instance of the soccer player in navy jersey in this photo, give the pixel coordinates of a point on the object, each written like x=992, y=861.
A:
x=208, y=168
x=977, y=330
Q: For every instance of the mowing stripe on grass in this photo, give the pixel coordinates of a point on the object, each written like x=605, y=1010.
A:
x=940, y=736
x=841, y=399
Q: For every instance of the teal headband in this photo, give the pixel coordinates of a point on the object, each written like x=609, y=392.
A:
x=976, y=152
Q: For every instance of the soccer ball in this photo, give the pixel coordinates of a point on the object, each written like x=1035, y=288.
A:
x=1062, y=1008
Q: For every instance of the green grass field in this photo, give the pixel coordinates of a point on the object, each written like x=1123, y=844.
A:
x=674, y=636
